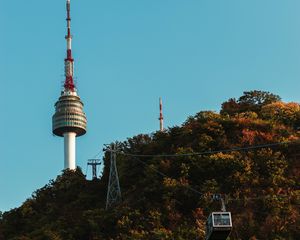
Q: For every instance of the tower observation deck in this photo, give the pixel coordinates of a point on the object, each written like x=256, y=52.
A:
x=69, y=120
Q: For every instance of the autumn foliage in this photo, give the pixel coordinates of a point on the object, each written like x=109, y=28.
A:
x=169, y=197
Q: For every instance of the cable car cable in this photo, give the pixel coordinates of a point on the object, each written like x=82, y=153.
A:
x=237, y=149
x=201, y=194
x=164, y=175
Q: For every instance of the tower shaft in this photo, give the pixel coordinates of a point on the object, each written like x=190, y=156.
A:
x=70, y=150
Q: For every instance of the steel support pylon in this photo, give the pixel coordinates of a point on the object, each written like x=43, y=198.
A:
x=113, y=190
x=94, y=163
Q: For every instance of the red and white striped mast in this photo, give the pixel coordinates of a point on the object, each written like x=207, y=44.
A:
x=69, y=61
x=161, y=118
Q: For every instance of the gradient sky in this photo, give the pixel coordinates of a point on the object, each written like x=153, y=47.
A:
x=195, y=54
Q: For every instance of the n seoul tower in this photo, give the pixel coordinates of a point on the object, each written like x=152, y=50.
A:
x=69, y=120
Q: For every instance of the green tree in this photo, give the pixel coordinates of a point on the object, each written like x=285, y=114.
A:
x=249, y=101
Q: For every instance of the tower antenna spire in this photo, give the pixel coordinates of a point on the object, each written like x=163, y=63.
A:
x=69, y=61
x=161, y=118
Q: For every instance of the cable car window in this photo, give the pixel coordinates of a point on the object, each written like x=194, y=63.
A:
x=225, y=219
x=217, y=219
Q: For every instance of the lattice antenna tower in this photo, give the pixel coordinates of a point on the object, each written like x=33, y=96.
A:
x=161, y=117
x=113, y=190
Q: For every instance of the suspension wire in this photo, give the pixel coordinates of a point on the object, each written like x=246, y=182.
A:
x=201, y=194
x=137, y=156
x=258, y=198
x=237, y=149
x=97, y=155
x=164, y=175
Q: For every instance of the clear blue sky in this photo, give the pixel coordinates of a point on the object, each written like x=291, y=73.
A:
x=194, y=53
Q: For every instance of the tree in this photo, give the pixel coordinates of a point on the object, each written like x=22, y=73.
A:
x=259, y=98
x=285, y=113
x=249, y=101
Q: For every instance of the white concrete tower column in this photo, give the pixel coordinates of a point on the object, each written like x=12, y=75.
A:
x=70, y=150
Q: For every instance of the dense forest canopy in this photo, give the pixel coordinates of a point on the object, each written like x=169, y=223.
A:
x=170, y=197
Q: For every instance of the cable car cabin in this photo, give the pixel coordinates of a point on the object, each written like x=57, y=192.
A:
x=218, y=226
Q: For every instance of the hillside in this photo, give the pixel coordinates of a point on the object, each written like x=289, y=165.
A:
x=169, y=197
